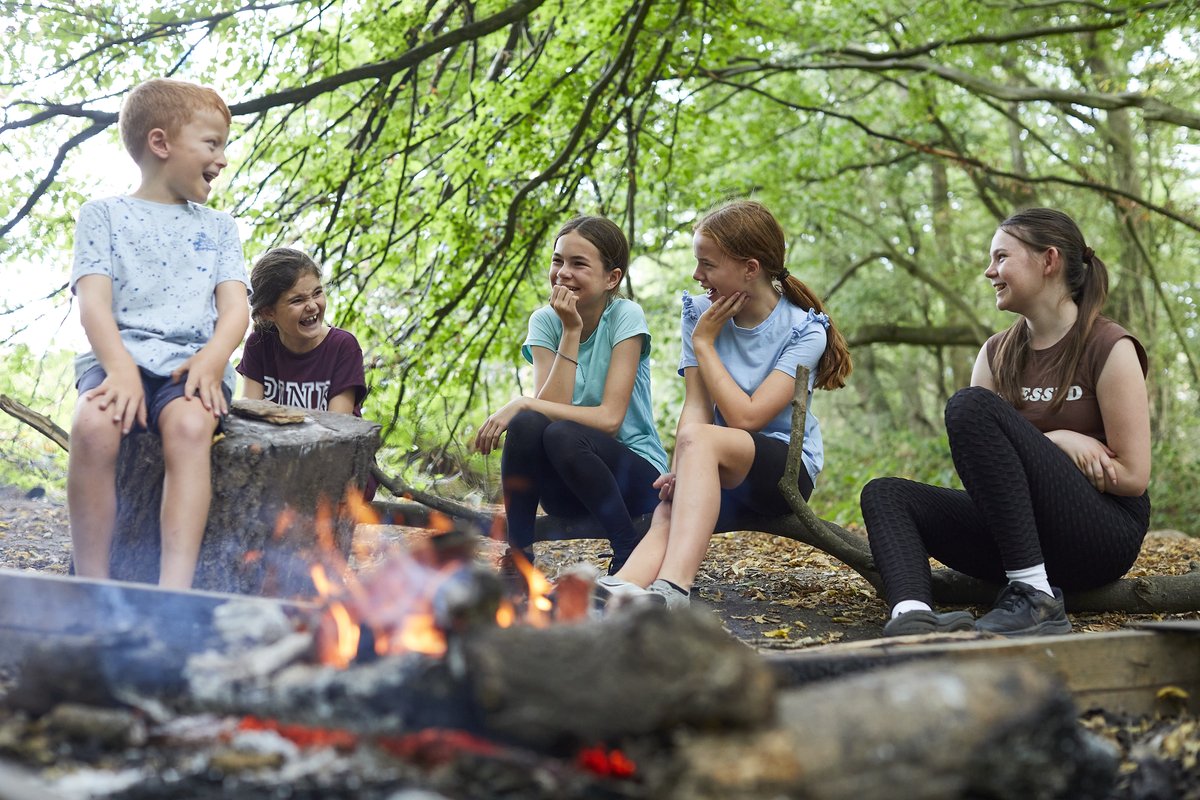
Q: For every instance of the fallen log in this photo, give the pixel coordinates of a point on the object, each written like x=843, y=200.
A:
x=943, y=730
x=1123, y=672
x=85, y=640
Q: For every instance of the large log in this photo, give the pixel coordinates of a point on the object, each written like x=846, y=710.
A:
x=83, y=640
x=943, y=731
x=260, y=472
x=1123, y=672
x=644, y=672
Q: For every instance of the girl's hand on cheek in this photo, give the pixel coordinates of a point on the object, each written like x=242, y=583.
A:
x=715, y=316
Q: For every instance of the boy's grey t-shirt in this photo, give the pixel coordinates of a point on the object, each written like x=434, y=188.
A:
x=165, y=262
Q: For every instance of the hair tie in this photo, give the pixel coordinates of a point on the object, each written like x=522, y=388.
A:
x=1088, y=254
x=779, y=280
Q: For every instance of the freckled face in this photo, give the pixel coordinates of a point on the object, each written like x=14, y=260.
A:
x=578, y=266
x=299, y=314
x=1015, y=272
x=718, y=274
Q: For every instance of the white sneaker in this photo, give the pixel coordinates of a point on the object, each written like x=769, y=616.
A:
x=674, y=598
x=612, y=592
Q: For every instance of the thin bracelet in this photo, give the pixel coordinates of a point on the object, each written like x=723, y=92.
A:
x=567, y=357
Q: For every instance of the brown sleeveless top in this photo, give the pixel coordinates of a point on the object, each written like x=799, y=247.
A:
x=1081, y=411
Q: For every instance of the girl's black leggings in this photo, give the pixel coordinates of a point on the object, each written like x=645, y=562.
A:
x=1025, y=503
x=573, y=470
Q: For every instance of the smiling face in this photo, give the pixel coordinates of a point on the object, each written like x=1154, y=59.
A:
x=1017, y=273
x=195, y=156
x=578, y=266
x=299, y=314
x=718, y=273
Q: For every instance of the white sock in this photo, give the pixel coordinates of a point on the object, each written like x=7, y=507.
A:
x=1034, y=576
x=904, y=606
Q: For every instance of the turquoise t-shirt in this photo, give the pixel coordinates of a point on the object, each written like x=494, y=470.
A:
x=789, y=337
x=621, y=320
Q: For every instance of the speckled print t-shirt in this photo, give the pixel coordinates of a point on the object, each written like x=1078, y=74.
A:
x=165, y=262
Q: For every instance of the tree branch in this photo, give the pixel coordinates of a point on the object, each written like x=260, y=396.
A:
x=39, y=422
x=946, y=336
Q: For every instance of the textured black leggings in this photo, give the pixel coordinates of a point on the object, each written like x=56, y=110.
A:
x=1025, y=503
x=573, y=470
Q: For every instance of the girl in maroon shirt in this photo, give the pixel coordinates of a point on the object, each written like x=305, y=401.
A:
x=293, y=357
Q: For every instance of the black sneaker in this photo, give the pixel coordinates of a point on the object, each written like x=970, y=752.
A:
x=1022, y=610
x=919, y=621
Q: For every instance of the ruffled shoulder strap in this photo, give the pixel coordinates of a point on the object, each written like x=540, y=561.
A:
x=689, y=307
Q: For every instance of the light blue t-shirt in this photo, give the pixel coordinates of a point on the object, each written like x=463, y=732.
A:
x=790, y=337
x=165, y=262
x=621, y=320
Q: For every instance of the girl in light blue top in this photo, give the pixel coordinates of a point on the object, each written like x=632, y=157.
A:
x=742, y=344
x=585, y=444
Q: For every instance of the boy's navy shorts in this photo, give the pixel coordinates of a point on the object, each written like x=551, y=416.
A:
x=159, y=390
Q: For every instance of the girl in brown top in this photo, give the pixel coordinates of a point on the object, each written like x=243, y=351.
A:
x=1051, y=441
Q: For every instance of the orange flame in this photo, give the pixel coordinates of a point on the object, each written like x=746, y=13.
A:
x=540, y=604
x=394, y=600
x=342, y=647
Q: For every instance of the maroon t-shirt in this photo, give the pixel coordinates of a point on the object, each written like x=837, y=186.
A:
x=1080, y=412
x=305, y=380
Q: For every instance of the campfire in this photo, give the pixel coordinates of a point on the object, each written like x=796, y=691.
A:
x=413, y=668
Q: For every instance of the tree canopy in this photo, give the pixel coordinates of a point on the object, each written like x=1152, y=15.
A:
x=425, y=153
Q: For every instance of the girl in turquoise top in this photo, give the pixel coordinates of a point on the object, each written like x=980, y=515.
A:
x=585, y=443
x=742, y=344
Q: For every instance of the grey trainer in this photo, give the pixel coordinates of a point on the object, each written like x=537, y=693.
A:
x=1021, y=610
x=612, y=592
x=674, y=598
x=918, y=621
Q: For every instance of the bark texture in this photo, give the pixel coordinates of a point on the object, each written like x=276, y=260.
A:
x=270, y=484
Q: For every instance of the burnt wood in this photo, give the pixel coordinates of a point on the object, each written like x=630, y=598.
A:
x=643, y=672
x=259, y=471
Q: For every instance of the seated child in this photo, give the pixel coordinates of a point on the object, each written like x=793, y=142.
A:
x=292, y=357
x=585, y=444
x=162, y=299
x=743, y=342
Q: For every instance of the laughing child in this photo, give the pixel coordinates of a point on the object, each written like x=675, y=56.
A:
x=162, y=299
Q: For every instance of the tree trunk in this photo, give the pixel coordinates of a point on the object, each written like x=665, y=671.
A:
x=270, y=484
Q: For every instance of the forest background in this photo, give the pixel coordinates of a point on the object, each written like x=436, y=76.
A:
x=426, y=152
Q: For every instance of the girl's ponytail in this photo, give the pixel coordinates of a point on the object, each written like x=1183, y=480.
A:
x=835, y=364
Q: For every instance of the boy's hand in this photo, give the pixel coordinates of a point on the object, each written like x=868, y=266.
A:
x=121, y=392
x=204, y=371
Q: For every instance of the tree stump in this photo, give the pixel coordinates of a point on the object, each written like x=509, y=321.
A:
x=270, y=483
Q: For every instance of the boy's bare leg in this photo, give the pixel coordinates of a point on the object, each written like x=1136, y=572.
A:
x=92, y=486
x=646, y=559
x=187, y=431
